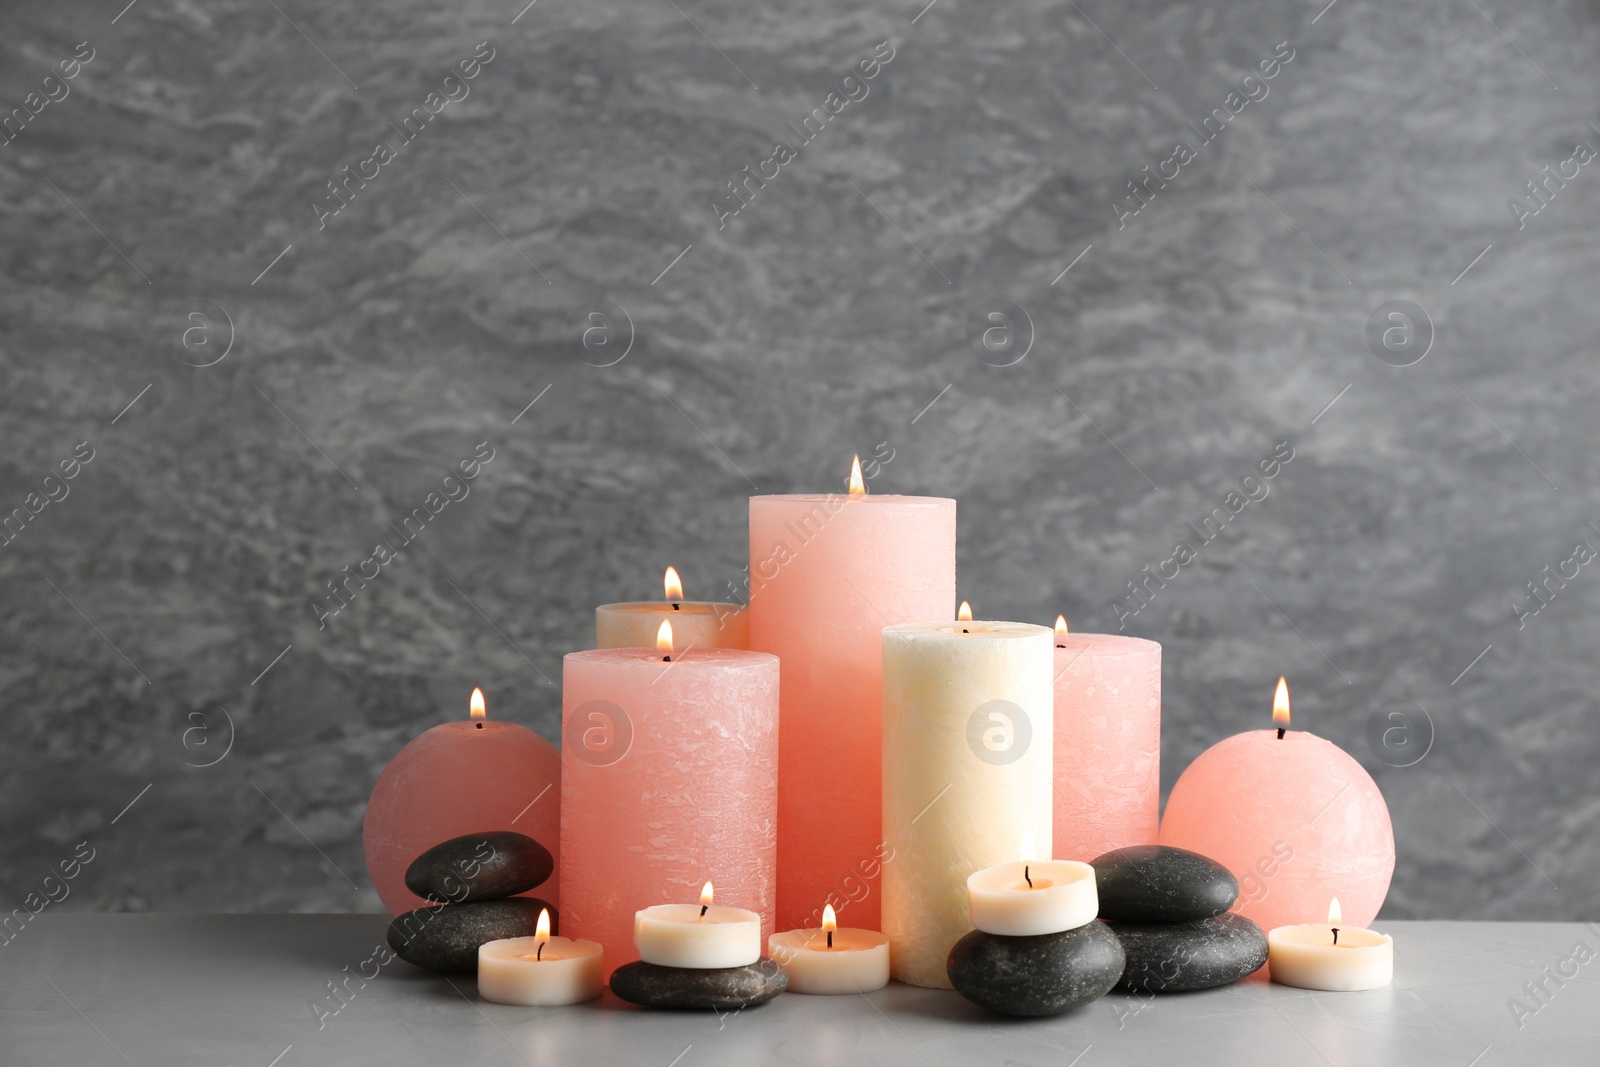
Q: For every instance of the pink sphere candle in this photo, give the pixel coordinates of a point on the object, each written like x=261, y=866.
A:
x=1294, y=817
x=669, y=780
x=461, y=778
x=1107, y=742
x=827, y=573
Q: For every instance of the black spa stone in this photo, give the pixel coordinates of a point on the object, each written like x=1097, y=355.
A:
x=1040, y=975
x=1180, y=957
x=486, y=866
x=1158, y=884
x=445, y=937
x=718, y=988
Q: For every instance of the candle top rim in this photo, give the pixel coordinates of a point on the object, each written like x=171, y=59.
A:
x=875, y=938
x=896, y=498
x=1113, y=644
x=513, y=944
x=1073, y=871
x=691, y=606
x=729, y=914
x=640, y=656
x=1325, y=928
x=972, y=628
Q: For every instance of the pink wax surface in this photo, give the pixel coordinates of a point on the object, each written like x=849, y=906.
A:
x=1297, y=821
x=461, y=778
x=1107, y=744
x=669, y=780
x=827, y=573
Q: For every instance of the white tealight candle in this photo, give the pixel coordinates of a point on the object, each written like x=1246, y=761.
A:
x=1033, y=897
x=541, y=970
x=1330, y=956
x=831, y=960
x=699, y=936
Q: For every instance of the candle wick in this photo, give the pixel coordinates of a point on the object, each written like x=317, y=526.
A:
x=479, y=725
x=674, y=607
x=703, y=909
x=965, y=630
x=1281, y=729
x=1061, y=646
x=539, y=954
x=1335, y=935
x=666, y=659
x=1026, y=877
x=830, y=938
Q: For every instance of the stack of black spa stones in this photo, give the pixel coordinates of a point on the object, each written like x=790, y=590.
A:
x=474, y=879
x=1169, y=909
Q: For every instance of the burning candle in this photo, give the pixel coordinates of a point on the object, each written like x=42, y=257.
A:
x=540, y=970
x=1107, y=743
x=1032, y=897
x=831, y=960
x=670, y=765
x=1291, y=815
x=461, y=778
x=695, y=623
x=827, y=573
x=698, y=936
x=1331, y=955
x=967, y=756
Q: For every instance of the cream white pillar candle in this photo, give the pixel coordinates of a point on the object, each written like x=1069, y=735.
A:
x=699, y=936
x=695, y=623
x=1330, y=956
x=830, y=960
x=1033, y=897
x=967, y=759
x=539, y=971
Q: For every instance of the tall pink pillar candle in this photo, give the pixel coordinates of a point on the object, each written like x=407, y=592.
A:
x=1108, y=743
x=827, y=574
x=670, y=780
x=1294, y=817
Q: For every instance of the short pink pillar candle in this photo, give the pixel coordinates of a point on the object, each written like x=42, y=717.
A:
x=1108, y=743
x=461, y=778
x=670, y=779
x=827, y=573
x=1293, y=816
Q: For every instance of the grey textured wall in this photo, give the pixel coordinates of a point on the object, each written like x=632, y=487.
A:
x=180, y=175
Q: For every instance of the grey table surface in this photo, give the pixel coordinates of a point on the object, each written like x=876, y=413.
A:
x=89, y=989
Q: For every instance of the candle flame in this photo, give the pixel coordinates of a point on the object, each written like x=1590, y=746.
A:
x=857, y=486
x=830, y=922
x=1280, y=706
x=706, y=894
x=1061, y=626
x=965, y=614
x=542, y=932
x=478, y=711
x=664, y=636
x=674, y=584
x=1335, y=916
